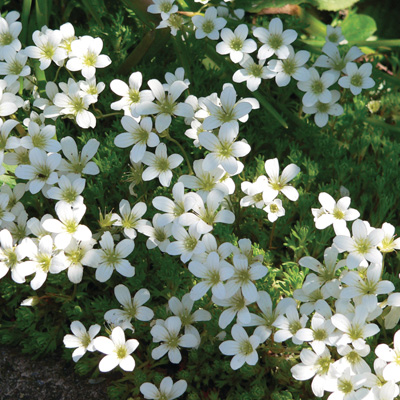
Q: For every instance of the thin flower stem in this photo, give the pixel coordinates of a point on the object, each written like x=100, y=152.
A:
x=70, y=74
x=183, y=151
x=58, y=71
x=108, y=115
x=271, y=235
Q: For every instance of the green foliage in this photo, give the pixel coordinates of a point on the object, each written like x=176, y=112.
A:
x=348, y=152
x=358, y=27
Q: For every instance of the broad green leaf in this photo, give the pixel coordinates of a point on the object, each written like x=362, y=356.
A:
x=43, y=11
x=358, y=27
x=26, y=10
x=256, y=6
x=333, y=5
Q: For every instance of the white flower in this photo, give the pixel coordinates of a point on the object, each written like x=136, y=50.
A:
x=75, y=257
x=243, y=277
x=174, y=21
x=174, y=209
x=138, y=135
x=334, y=34
x=361, y=246
x=68, y=227
x=334, y=61
x=290, y=67
x=91, y=88
x=182, y=309
x=46, y=48
x=206, y=181
x=205, y=215
x=130, y=219
x=275, y=40
x=367, y=288
x=41, y=137
x=236, y=43
x=326, y=276
x=5, y=216
x=41, y=171
x=6, y=141
x=274, y=209
x=348, y=387
x=237, y=305
x=391, y=372
x=74, y=103
x=353, y=359
x=389, y=243
x=166, y=104
x=117, y=349
x=85, y=56
x=131, y=307
x=14, y=65
x=167, y=391
x=186, y=244
x=163, y=7
x=278, y=183
x=81, y=340
x=254, y=192
x=212, y=272
x=131, y=95
x=111, y=257
x=79, y=163
x=357, y=78
x=158, y=234
x=320, y=333
x=224, y=149
x=317, y=365
x=70, y=189
x=42, y=258
x=10, y=29
x=264, y=322
x=9, y=103
x=179, y=75
x=356, y=330
x=228, y=112
x=316, y=87
x=168, y=332
x=336, y=213
x=323, y=110
x=11, y=257
x=243, y=347
x=68, y=36
x=208, y=25
x=160, y=165
x=224, y=250
x=252, y=73
x=290, y=326
x=47, y=105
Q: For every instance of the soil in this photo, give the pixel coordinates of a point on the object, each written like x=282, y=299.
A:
x=52, y=378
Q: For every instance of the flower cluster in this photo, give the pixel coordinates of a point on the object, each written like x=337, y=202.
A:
x=319, y=98
x=333, y=311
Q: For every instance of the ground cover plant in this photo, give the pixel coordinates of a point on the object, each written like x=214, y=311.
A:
x=199, y=199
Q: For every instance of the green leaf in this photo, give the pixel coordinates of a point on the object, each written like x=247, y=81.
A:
x=43, y=11
x=358, y=27
x=26, y=10
x=333, y=5
x=256, y=6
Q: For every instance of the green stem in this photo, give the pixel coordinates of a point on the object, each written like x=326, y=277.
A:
x=183, y=151
x=108, y=115
x=58, y=71
x=70, y=74
x=272, y=235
